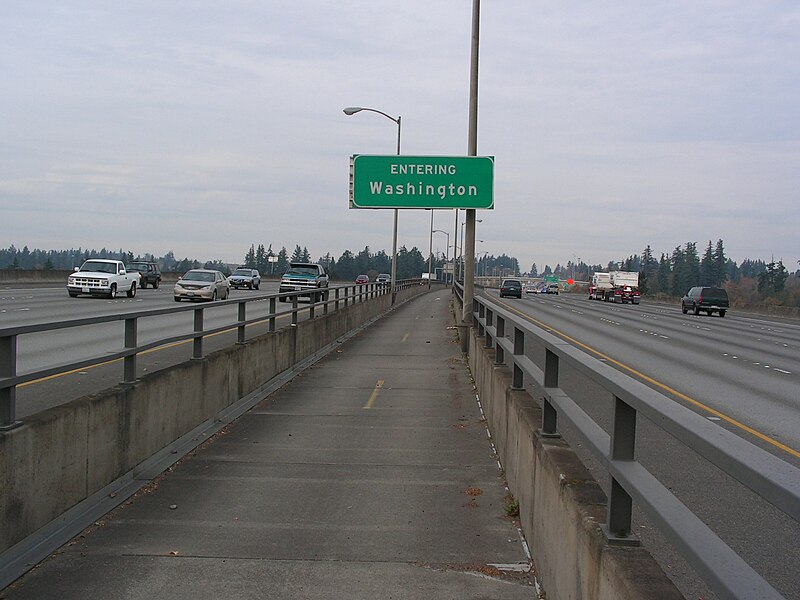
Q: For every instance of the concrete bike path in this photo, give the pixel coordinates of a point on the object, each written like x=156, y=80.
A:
x=369, y=476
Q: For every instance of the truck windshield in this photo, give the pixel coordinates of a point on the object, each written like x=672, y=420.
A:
x=302, y=271
x=99, y=267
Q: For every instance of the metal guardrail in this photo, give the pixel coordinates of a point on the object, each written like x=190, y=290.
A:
x=9, y=378
x=773, y=479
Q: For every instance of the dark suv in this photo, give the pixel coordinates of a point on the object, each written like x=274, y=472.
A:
x=149, y=273
x=709, y=299
x=511, y=287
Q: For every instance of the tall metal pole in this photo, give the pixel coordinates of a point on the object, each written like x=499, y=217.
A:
x=455, y=248
x=430, y=253
x=469, y=246
x=394, y=234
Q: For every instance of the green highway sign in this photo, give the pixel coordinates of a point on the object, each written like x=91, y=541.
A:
x=551, y=278
x=400, y=181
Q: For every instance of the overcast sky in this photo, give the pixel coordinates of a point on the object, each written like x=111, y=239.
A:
x=203, y=127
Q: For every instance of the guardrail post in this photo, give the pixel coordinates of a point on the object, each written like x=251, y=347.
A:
x=499, y=355
x=129, y=362
x=295, y=300
x=8, y=395
x=481, y=316
x=272, y=311
x=242, y=319
x=325, y=298
x=487, y=343
x=312, y=301
x=519, y=350
x=623, y=447
x=336, y=299
x=197, y=345
x=549, y=413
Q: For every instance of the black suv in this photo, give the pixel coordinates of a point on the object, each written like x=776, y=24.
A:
x=149, y=273
x=709, y=299
x=511, y=287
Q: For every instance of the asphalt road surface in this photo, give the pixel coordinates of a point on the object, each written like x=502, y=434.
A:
x=741, y=372
x=47, y=304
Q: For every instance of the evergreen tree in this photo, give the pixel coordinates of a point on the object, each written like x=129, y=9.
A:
x=708, y=267
x=720, y=264
x=297, y=255
x=283, y=262
x=250, y=257
x=261, y=259
x=664, y=272
x=534, y=271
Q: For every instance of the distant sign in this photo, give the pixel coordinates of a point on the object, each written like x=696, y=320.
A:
x=399, y=181
x=551, y=278
x=272, y=259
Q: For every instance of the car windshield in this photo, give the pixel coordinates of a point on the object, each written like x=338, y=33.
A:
x=99, y=267
x=302, y=271
x=242, y=272
x=198, y=276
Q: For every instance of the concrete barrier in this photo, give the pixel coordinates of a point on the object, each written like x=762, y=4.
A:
x=562, y=507
x=60, y=457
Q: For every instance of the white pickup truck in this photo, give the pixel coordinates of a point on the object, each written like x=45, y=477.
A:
x=102, y=277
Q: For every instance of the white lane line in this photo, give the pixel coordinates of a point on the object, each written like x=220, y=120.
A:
x=782, y=371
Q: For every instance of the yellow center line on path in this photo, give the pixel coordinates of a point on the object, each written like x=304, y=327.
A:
x=405, y=337
x=150, y=351
x=374, y=395
x=662, y=386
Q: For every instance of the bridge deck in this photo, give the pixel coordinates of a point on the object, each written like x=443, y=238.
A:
x=368, y=476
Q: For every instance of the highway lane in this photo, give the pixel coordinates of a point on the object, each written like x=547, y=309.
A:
x=742, y=367
x=38, y=305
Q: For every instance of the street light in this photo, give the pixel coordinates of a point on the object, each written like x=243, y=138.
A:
x=350, y=111
x=447, y=233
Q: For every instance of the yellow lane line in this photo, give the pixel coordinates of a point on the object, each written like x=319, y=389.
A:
x=374, y=395
x=662, y=386
x=150, y=351
x=405, y=337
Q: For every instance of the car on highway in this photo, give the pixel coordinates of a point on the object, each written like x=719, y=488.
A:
x=202, y=284
x=383, y=278
x=362, y=279
x=552, y=288
x=708, y=299
x=149, y=273
x=511, y=288
x=531, y=288
x=245, y=277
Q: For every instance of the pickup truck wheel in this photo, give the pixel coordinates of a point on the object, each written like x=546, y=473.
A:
x=722, y=313
x=255, y=286
x=132, y=292
x=143, y=284
x=155, y=284
x=684, y=310
x=112, y=293
x=176, y=298
x=73, y=294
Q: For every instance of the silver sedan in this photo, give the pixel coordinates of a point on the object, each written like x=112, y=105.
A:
x=202, y=284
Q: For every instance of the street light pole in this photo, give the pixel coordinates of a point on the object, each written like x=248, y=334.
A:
x=430, y=253
x=349, y=111
x=446, y=250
